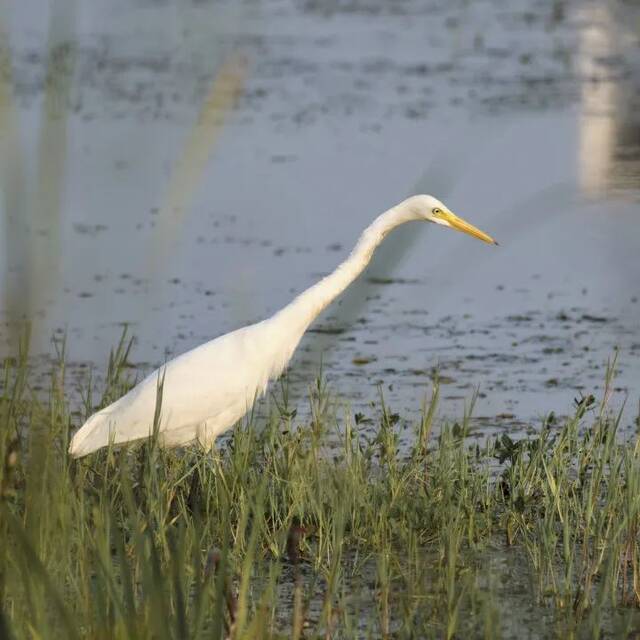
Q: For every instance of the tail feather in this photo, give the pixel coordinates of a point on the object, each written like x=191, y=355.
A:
x=128, y=420
x=94, y=434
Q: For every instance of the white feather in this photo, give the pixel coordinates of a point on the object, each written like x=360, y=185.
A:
x=205, y=391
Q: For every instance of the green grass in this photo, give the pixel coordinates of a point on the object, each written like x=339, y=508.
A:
x=315, y=528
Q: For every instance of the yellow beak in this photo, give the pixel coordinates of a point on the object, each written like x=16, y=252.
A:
x=463, y=225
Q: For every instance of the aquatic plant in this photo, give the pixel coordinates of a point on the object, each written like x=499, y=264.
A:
x=314, y=524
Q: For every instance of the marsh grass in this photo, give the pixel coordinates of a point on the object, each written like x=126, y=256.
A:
x=314, y=528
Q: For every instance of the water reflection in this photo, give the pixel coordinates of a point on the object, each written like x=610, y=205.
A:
x=609, y=153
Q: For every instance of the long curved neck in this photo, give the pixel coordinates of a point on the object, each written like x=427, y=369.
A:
x=304, y=309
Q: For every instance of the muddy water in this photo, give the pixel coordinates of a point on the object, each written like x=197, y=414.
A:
x=133, y=192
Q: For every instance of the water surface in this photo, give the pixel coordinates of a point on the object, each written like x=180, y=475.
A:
x=188, y=169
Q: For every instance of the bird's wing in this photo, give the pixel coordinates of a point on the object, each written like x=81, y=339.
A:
x=215, y=383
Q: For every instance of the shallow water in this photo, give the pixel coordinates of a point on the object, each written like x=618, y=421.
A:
x=122, y=205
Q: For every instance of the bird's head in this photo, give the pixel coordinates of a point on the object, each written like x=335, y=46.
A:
x=432, y=210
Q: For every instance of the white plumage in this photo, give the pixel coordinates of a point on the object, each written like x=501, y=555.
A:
x=205, y=391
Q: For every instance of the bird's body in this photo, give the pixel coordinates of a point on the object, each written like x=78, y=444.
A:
x=207, y=390
x=204, y=391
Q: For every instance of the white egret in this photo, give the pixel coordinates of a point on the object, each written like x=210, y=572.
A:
x=206, y=390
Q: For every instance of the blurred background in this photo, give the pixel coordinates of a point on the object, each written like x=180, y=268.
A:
x=186, y=166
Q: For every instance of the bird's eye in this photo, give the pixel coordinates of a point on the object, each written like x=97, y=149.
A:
x=437, y=211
